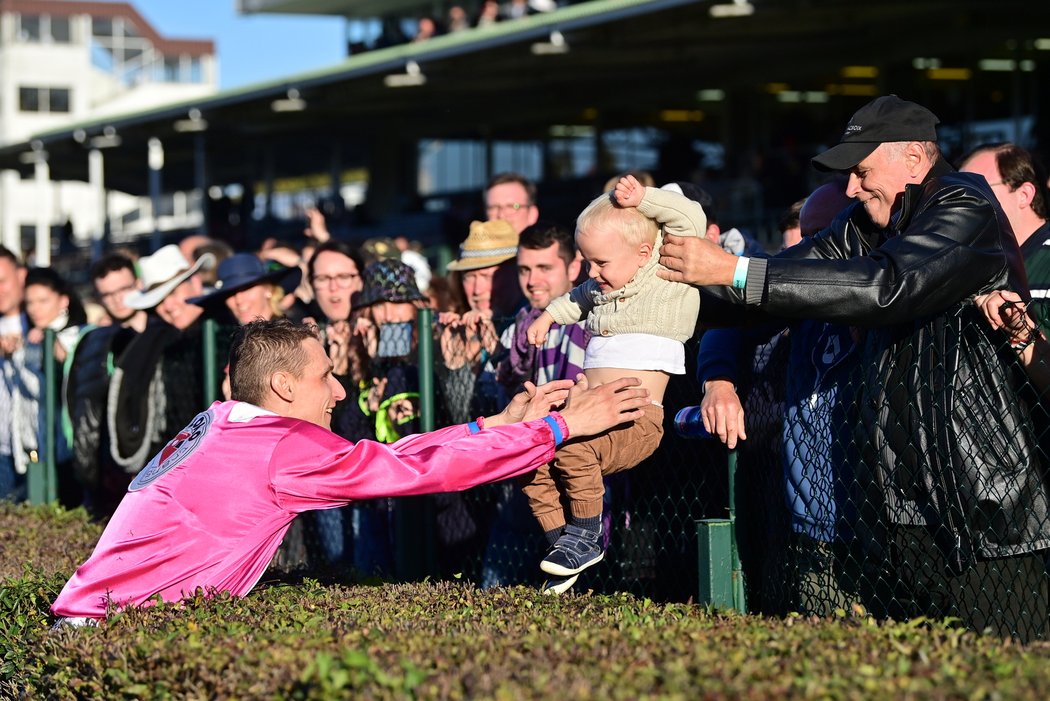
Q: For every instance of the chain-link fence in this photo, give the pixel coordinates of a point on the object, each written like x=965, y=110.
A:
x=900, y=473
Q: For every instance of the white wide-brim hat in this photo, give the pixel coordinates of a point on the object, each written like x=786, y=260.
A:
x=161, y=273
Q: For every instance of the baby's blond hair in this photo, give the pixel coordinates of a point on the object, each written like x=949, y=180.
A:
x=633, y=226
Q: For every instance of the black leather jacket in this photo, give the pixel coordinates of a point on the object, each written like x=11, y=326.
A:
x=945, y=432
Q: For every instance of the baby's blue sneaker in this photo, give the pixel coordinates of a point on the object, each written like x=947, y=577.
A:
x=559, y=585
x=576, y=550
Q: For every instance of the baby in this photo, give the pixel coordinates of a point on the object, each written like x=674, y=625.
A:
x=638, y=323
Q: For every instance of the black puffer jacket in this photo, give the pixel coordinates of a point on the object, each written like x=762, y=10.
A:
x=946, y=433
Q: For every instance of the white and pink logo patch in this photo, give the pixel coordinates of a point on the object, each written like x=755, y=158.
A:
x=178, y=449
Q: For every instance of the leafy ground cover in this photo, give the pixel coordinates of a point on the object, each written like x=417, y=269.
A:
x=449, y=640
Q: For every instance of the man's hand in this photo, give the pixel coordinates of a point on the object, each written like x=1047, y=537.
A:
x=1004, y=309
x=695, y=260
x=338, y=335
x=538, y=329
x=10, y=343
x=629, y=192
x=592, y=410
x=722, y=412
x=533, y=403
x=316, y=228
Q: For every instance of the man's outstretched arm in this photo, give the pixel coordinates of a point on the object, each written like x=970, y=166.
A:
x=318, y=470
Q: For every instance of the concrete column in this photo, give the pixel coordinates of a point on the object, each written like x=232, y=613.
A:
x=42, y=176
x=200, y=179
x=155, y=157
x=268, y=178
x=9, y=233
x=335, y=170
x=96, y=181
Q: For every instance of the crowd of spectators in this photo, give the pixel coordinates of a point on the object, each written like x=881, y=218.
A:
x=458, y=17
x=132, y=366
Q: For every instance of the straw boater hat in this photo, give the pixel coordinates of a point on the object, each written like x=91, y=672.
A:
x=161, y=273
x=489, y=243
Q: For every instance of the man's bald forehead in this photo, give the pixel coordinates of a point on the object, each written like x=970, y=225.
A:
x=823, y=205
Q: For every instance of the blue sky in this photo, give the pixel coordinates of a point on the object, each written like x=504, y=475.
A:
x=251, y=48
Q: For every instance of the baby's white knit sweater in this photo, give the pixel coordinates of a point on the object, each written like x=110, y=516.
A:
x=647, y=304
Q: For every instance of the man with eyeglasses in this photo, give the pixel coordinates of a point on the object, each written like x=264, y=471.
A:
x=1018, y=181
x=512, y=198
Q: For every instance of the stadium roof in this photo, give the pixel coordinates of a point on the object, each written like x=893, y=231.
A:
x=621, y=63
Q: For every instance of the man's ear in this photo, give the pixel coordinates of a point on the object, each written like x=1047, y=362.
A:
x=283, y=385
x=574, y=267
x=915, y=157
x=1025, y=193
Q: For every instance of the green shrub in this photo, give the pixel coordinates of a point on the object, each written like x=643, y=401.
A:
x=452, y=641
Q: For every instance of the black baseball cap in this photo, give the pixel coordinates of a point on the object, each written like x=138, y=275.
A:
x=884, y=119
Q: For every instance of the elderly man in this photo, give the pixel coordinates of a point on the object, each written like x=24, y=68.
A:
x=949, y=460
x=209, y=510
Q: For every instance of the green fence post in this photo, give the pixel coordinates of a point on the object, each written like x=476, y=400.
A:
x=739, y=602
x=210, y=369
x=41, y=487
x=415, y=553
x=428, y=420
x=714, y=548
x=721, y=577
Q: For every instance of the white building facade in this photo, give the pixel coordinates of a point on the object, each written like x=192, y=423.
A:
x=64, y=62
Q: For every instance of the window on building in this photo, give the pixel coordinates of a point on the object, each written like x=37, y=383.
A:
x=101, y=27
x=33, y=99
x=29, y=28
x=171, y=70
x=58, y=100
x=44, y=29
x=60, y=32
x=29, y=99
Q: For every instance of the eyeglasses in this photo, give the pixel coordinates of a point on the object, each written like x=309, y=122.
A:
x=499, y=208
x=341, y=279
x=117, y=293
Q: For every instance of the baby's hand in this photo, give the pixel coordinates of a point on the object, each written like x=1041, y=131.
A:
x=629, y=192
x=538, y=329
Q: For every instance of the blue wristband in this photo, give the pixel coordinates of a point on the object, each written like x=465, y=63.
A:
x=740, y=275
x=555, y=429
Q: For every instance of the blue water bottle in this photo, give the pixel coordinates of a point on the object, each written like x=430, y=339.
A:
x=689, y=423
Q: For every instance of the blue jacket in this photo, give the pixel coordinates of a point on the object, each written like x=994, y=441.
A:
x=816, y=428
